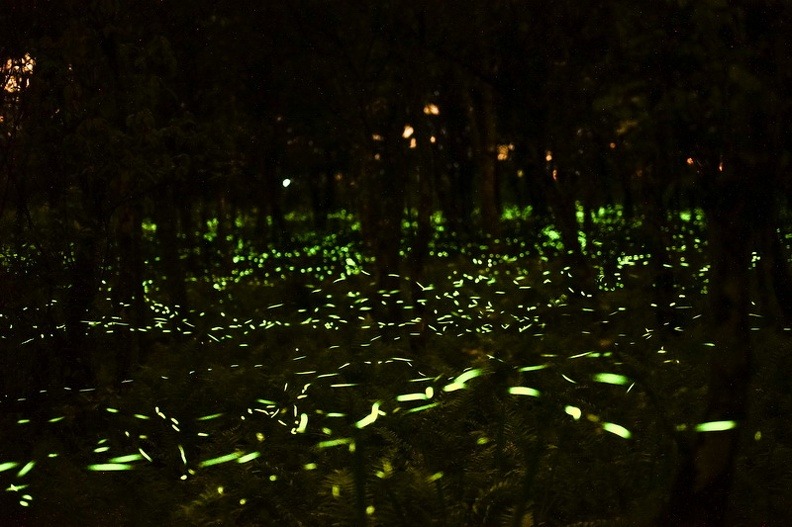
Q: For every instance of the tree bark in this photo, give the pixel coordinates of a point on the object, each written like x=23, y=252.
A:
x=774, y=279
x=484, y=137
x=170, y=245
x=383, y=181
x=129, y=290
x=563, y=207
x=700, y=495
x=425, y=175
x=76, y=353
x=488, y=182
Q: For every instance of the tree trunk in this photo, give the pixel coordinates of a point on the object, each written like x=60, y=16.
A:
x=188, y=228
x=129, y=289
x=488, y=182
x=658, y=240
x=563, y=207
x=170, y=245
x=774, y=280
x=425, y=176
x=484, y=136
x=383, y=207
x=76, y=353
x=456, y=182
x=777, y=261
x=701, y=490
x=272, y=195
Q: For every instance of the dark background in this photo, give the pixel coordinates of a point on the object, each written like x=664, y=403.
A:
x=117, y=115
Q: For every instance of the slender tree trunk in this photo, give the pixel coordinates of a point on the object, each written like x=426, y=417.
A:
x=188, y=228
x=21, y=214
x=170, y=247
x=484, y=135
x=76, y=353
x=488, y=182
x=701, y=490
x=780, y=275
x=425, y=176
x=563, y=207
x=658, y=240
x=322, y=196
x=272, y=195
x=774, y=279
x=532, y=165
x=389, y=228
x=129, y=289
x=383, y=207
x=456, y=183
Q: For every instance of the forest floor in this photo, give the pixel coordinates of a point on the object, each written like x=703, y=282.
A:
x=502, y=396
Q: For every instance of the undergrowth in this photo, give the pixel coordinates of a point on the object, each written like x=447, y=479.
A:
x=279, y=399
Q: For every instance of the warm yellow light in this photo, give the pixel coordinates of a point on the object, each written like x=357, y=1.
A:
x=376, y=137
x=431, y=109
x=503, y=152
x=433, y=139
x=17, y=73
x=413, y=143
x=690, y=161
x=408, y=131
x=612, y=146
x=548, y=156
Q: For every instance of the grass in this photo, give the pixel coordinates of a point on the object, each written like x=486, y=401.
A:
x=277, y=400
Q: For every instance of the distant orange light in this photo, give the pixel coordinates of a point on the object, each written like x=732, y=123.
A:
x=431, y=109
x=413, y=143
x=408, y=131
x=720, y=166
x=690, y=161
x=17, y=73
x=548, y=156
x=503, y=151
x=612, y=146
x=433, y=139
x=555, y=174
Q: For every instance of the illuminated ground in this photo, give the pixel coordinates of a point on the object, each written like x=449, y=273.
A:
x=278, y=398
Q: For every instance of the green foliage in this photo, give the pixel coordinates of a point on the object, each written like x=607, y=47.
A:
x=277, y=400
